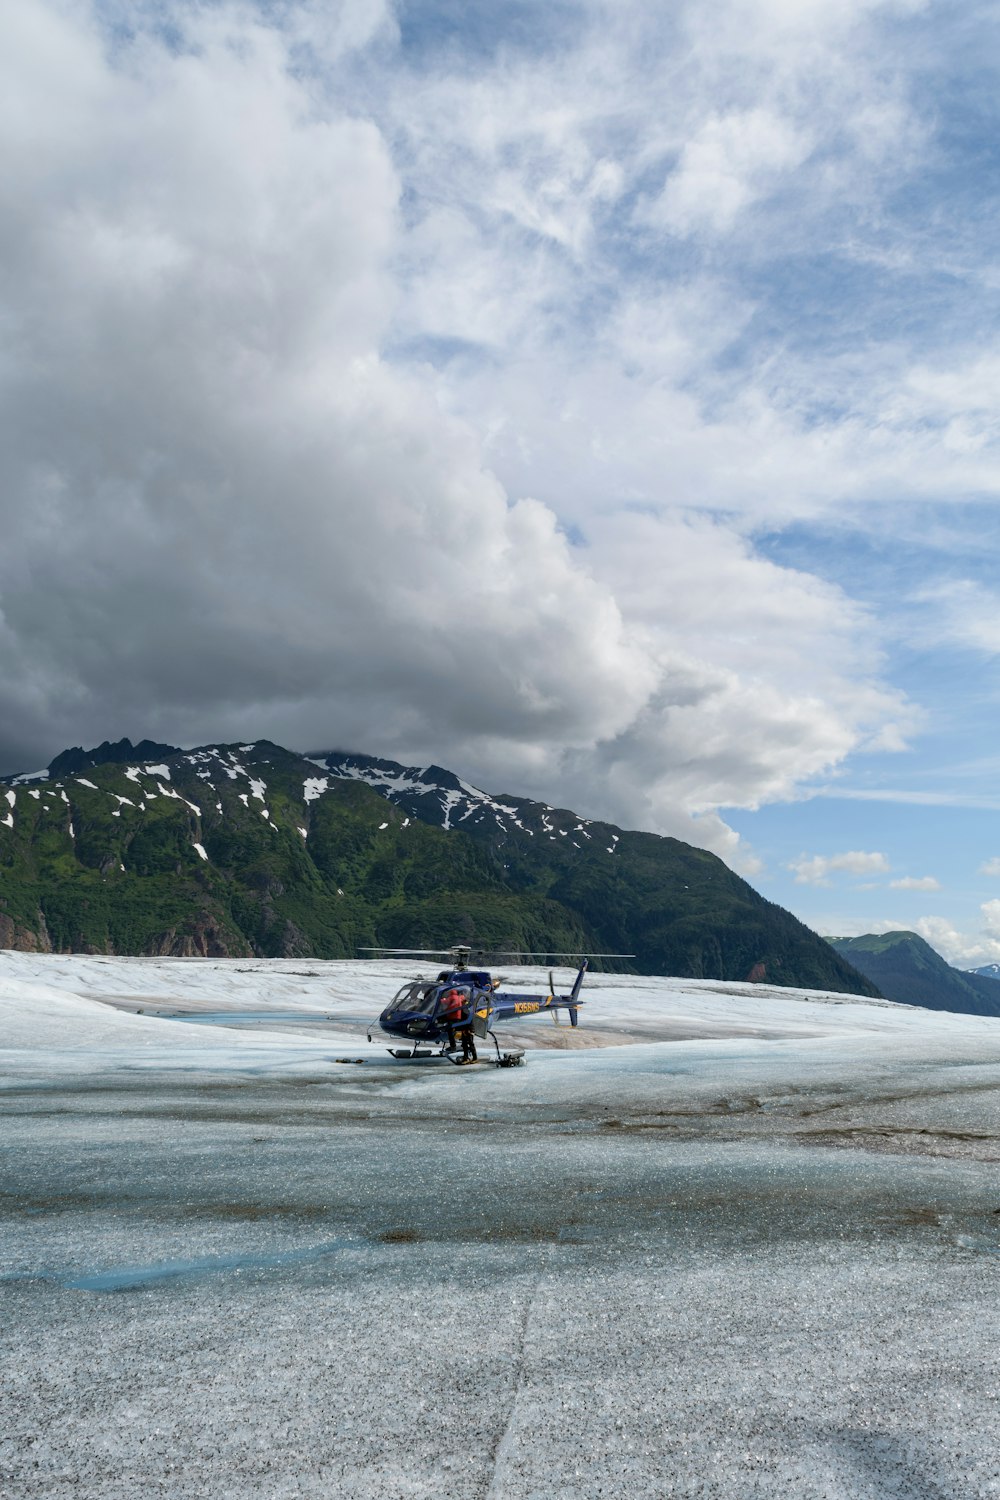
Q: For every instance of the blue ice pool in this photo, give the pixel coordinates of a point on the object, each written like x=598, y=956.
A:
x=126, y=1278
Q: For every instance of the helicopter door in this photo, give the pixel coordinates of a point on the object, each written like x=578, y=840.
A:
x=482, y=1015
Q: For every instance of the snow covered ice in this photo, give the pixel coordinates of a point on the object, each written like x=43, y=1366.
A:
x=722, y=1240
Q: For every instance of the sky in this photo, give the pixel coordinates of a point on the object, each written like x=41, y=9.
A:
x=599, y=399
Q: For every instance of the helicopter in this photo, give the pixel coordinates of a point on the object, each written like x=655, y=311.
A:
x=414, y=1016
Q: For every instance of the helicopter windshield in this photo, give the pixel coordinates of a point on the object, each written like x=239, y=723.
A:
x=416, y=997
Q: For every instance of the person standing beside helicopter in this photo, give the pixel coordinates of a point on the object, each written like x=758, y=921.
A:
x=451, y=1014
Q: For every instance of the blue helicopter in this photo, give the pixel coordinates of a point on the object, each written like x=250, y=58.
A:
x=423, y=1015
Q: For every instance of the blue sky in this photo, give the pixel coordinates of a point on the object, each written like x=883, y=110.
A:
x=669, y=331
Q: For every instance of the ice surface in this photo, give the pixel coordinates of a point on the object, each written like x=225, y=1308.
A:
x=720, y=1240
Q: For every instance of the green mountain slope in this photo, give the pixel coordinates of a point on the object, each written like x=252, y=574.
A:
x=255, y=850
x=907, y=969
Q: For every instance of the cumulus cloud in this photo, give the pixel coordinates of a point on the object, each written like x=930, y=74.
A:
x=915, y=883
x=223, y=507
x=815, y=869
x=966, y=950
x=334, y=409
x=990, y=867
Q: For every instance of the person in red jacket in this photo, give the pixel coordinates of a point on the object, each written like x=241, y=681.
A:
x=451, y=1014
x=455, y=1017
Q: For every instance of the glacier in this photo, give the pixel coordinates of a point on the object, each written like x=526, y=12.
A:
x=721, y=1240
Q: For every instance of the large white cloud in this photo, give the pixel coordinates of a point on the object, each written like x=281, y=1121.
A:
x=243, y=496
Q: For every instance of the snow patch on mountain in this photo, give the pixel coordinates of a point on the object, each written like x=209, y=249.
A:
x=422, y=789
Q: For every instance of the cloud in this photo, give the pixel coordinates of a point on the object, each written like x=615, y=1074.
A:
x=966, y=613
x=224, y=508
x=910, y=796
x=373, y=396
x=815, y=869
x=966, y=950
x=730, y=161
x=915, y=883
x=990, y=867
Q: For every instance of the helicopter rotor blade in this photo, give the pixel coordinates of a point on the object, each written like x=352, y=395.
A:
x=481, y=951
x=412, y=952
x=551, y=953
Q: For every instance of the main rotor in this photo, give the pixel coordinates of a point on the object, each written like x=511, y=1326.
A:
x=462, y=955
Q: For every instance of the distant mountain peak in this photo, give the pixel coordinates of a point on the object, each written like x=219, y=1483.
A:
x=118, y=753
x=907, y=969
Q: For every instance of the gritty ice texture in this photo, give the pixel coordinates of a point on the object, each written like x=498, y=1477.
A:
x=720, y=1240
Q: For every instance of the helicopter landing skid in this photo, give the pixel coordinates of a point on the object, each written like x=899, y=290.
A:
x=512, y=1059
x=502, y=1060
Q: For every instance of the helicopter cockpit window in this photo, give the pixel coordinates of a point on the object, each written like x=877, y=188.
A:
x=415, y=997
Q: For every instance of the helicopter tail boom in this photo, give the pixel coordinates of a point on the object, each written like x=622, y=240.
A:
x=574, y=1014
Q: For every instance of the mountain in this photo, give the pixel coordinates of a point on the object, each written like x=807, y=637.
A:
x=988, y=971
x=907, y=969
x=253, y=849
